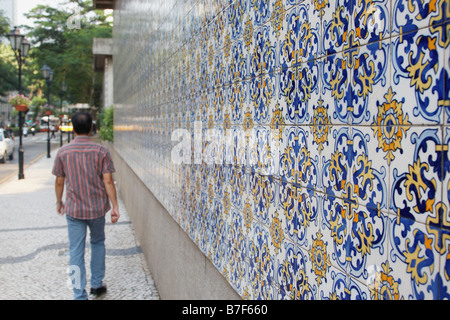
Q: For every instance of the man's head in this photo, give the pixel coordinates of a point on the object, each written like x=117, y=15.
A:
x=82, y=123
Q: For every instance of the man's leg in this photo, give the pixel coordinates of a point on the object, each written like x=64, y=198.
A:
x=77, y=240
x=97, y=228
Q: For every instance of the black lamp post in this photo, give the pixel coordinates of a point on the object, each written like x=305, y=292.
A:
x=61, y=94
x=20, y=46
x=47, y=74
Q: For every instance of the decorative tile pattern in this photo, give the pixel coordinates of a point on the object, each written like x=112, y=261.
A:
x=303, y=145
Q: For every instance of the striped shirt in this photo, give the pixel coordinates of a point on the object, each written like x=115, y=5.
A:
x=82, y=163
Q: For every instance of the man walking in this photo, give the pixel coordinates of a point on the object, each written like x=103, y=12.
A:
x=85, y=169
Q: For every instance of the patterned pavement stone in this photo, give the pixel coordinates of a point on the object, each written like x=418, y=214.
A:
x=34, y=257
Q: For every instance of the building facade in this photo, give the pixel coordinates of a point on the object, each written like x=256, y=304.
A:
x=287, y=149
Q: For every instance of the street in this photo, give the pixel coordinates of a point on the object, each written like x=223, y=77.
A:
x=34, y=148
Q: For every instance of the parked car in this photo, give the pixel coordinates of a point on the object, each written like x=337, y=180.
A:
x=6, y=146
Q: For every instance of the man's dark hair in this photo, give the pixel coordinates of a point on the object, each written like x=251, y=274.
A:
x=82, y=122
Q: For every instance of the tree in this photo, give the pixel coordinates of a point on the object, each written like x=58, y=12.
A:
x=8, y=70
x=67, y=50
x=8, y=64
x=4, y=24
x=36, y=106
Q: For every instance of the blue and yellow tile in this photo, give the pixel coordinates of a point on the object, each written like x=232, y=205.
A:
x=334, y=183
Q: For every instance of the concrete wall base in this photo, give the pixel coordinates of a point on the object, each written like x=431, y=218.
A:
x=178, y=267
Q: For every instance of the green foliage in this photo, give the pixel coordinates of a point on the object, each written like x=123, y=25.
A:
x=4, y=24
x=67, y=50
x=8, y=70
x=106, y=118
x=38, y=102
x=36, y=106
x=8, y=65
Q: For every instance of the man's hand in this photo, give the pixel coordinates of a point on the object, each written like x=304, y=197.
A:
x=112, y=194
x=59, y=190
x=115, y=215
x=60, y=208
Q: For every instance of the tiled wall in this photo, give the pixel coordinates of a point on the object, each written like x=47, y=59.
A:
x=333, y=180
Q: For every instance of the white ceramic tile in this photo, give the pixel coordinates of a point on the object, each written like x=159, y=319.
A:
x=417, y=65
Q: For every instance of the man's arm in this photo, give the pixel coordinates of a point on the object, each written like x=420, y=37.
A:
x=112, y=195
x=59, y=190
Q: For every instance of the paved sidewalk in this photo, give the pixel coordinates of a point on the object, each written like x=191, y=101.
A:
x=34, y=245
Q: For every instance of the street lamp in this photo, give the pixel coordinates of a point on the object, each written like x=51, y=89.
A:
x=61, y=94
x=20, y=46
x=47, y=74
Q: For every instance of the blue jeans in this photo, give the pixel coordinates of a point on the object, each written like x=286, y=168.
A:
x=77, y=240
